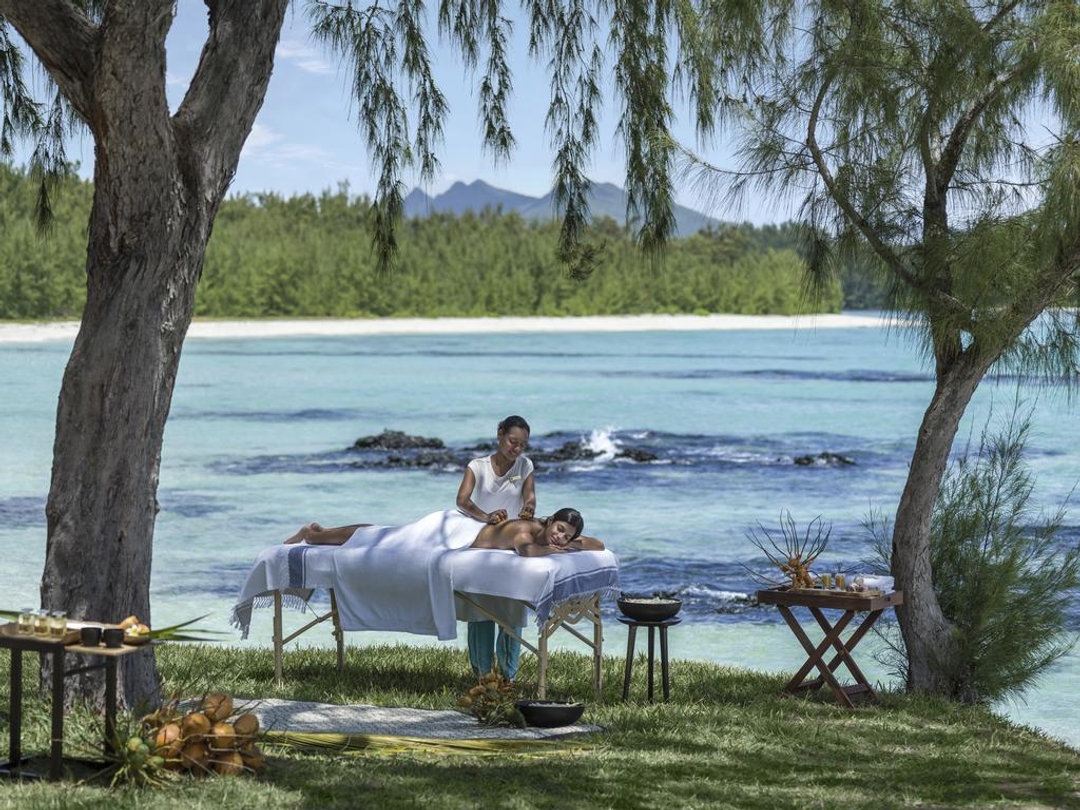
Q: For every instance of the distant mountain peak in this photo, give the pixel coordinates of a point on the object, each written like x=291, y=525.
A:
x=605, y=200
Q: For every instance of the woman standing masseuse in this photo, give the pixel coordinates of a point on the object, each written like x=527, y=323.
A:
x=492, y=489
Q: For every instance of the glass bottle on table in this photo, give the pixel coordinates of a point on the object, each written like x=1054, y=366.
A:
x=26, y=621
x=41, y=623
x=57, y=624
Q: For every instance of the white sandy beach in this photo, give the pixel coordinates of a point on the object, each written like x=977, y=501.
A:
x=65, y=330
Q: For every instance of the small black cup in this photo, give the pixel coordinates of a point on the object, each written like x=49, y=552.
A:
x=113, y=636
x=90, y=636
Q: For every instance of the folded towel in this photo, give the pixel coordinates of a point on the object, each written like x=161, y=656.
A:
x=878, y=582
x=539, y=582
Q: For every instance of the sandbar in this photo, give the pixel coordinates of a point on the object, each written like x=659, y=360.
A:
x=315, y=327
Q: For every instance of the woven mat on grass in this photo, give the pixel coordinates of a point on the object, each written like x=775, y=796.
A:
x=306, y=717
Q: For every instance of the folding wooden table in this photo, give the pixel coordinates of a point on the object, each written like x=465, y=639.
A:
x=851, y=605
x=56, y=649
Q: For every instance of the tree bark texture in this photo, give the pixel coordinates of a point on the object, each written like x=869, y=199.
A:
x=925, y=629
x=159, y=179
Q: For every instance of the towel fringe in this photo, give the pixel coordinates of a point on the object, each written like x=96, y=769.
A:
x=290, y=600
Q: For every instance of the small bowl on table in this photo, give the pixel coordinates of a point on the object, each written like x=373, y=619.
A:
x=649, y=608
x=90, y=635
x=550, y=713
x=113, y=637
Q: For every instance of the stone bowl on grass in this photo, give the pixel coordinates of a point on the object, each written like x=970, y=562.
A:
x=550, y=713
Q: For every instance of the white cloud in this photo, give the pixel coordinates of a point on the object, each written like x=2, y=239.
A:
x=259, y=139
x=272, y=149
x=304, y=57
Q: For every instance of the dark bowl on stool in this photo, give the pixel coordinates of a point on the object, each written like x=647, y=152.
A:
x=550, y=713
x=649, y=608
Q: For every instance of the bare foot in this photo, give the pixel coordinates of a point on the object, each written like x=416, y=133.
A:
x=302, y=534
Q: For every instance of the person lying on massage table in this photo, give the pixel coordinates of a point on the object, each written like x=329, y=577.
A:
x=534, y=537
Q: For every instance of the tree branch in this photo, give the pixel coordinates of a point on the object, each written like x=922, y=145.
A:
x=883, y=250
x=229, y=84
x=954, y=147
x=65, y=42
x=886, y=253
x=1001, y=14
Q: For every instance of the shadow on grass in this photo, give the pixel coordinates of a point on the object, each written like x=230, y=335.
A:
x=727, y=739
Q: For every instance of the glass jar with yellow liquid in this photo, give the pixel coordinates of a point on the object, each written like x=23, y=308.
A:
x=26, y=621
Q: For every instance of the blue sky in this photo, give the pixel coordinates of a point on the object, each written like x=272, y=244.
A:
x=305, y=138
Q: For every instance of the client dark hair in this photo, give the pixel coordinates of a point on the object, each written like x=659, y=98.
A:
x=571, y=516
x=514, y=422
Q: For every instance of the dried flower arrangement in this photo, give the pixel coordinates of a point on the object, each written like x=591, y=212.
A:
x=792, y=553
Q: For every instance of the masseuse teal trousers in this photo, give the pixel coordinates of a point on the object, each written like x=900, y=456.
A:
x=483, y=643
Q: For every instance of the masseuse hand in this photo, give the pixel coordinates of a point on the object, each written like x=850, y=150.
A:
x=526, y=513
x=498, y=516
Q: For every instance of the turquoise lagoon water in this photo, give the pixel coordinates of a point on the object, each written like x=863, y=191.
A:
x=261, y=429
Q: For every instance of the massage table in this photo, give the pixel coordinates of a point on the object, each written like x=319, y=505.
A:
x=423, y=578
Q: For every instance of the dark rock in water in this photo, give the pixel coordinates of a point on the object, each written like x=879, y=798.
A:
x=824, y=459
x=426, y=459
x=395, y=449
x=396, y=440
x=570, y=451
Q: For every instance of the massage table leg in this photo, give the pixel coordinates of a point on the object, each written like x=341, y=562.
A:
x=279, y=635
x=278, y=643
x=598, y=649
x=339, y=634
x=541, y=667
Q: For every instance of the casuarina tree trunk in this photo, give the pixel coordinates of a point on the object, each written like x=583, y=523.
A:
x=926, y=631
x=111, y=417
x=159, y=178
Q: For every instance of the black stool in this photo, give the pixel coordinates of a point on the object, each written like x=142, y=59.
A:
x=634, y=624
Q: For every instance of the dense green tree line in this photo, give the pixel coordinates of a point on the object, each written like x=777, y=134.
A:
x=42, y=275
x=309, y=256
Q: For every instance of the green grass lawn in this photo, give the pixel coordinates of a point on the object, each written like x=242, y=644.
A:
x=726, y=739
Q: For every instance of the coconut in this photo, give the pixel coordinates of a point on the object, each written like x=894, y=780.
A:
x=253, y=759
x=222, y=737
x=246, y=726
x=168, y=741
x=228, y=763
x=217, y=706
x=195, y=756
x=194, y=726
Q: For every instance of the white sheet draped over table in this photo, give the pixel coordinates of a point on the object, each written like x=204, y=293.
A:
x=403, y=578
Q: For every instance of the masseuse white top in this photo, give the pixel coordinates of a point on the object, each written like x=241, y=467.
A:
x=494, y=491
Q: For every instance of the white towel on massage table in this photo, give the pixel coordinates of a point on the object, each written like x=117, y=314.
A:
x=539, y=582
x=403, y=578
x=384, y=577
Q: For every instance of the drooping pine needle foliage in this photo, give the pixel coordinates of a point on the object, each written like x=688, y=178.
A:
x=939, y=136
x=1002, y=572
x=657, y=52
x=46, y=126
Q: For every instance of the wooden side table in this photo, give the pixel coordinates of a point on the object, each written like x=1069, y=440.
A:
x=11, y=639
x=850, y=604
x=662, y=626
